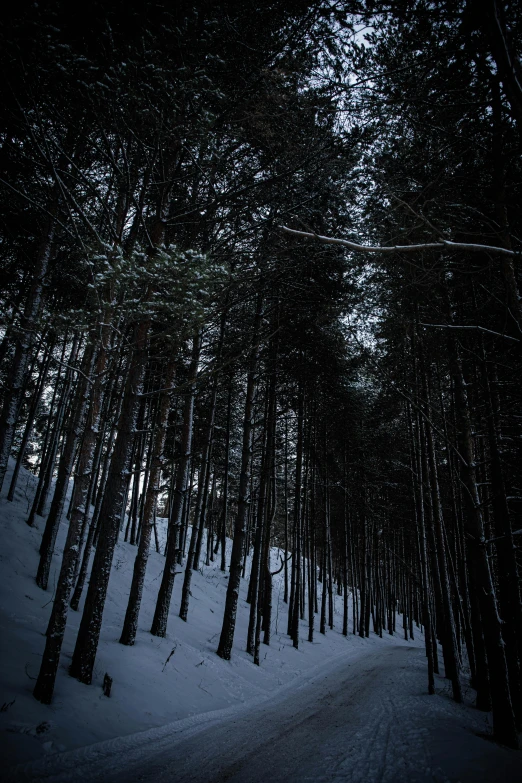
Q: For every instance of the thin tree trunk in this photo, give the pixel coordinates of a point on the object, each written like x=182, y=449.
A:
x=16, y=376
x=450, y=633
x=508, y=580
x=295, y=605
x=229, y=619
x=130, y=625
x=37, y=396
x=53, y=436
x=64, y=469
x=161, y=613
x=226, y=481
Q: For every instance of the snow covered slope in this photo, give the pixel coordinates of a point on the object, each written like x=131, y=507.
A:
x=157, y=681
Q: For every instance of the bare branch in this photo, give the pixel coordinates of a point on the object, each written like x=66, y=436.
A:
x=283, y=563
x=480, y=329
x=468, y=247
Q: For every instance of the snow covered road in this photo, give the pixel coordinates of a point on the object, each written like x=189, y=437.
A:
x=365, y=720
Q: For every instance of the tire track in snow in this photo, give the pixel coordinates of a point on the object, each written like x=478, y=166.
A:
x=369, y=720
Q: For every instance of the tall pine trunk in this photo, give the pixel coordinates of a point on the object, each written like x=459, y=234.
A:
x=89, y=632
x=64, y=469
x=161, y=612
x=130, y=625
x=504, y=725
x=226, y=639
x=15, y=380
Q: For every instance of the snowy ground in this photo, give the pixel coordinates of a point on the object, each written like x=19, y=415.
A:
x=147, y=691
x=367, y=719
x=157, y=705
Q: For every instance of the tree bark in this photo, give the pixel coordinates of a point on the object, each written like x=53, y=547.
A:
x=16, y=376
x=65, y=469
x=229, y=619
x=89, y=632
x=161, y=613
x=504, y=726
x=130, y=625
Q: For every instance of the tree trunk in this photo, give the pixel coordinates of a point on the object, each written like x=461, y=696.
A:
x=295, y=605
x=229, y=619
x=504, y=726
x=130, y=625
x=16, y=377
x=65, y=468
x=451, y=657
x=31, y=417
x=161, y=613
x=53, y=434
x=89, y=632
